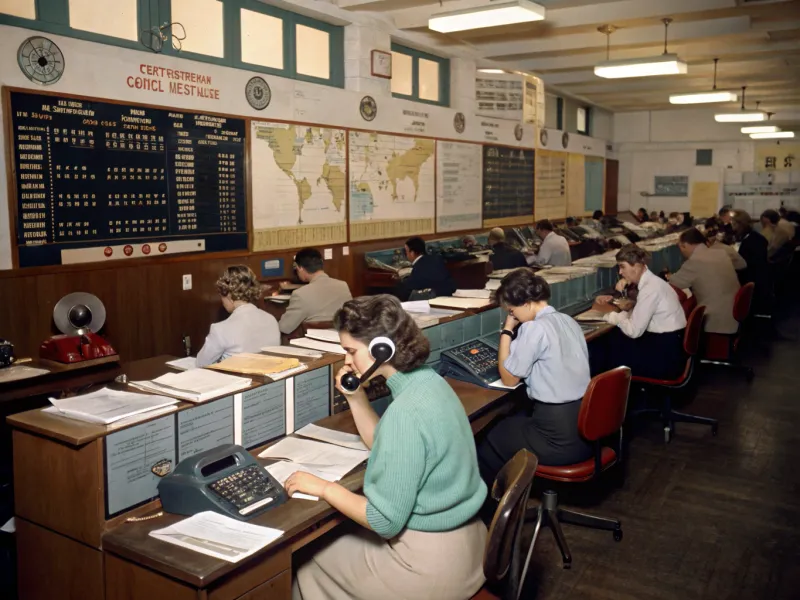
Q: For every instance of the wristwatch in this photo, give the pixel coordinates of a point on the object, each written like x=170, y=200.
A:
x=508, y=333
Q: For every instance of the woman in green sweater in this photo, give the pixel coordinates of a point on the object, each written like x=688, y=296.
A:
x=421, y=538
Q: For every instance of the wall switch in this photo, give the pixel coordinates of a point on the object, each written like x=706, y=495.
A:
x=187, y=282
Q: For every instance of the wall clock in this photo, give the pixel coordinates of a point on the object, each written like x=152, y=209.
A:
x=543, y=137
x=258, y=93
x=518, y=132
x=368, y=108
x=41, y=60
x=565, y=139
x=460, y=122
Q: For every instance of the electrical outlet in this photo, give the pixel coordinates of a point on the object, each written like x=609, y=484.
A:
x=187, y=282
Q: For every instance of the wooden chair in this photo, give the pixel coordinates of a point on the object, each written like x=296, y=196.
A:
x=601, y=416
x=502, y=558
x=723, y=350
x=666, y=387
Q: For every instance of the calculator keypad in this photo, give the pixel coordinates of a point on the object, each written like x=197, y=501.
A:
x=244, y=488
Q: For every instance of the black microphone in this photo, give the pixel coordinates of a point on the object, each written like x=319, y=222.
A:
x=381, y=349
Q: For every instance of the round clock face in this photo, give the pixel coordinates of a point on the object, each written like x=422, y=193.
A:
x=41, y=60
x=368, y=108
x=460, y=122
x=565, y=139
x=258, y=93
x=518, y=131
x=543, y=137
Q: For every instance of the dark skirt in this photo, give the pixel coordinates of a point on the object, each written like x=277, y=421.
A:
x=550, y=431
x=653, y=355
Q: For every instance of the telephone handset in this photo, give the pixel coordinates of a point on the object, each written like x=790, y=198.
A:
x=381, y=349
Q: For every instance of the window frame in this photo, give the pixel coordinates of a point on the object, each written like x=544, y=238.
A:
x=444, y=75
x=588, y=120
x=560, y=113
x=52, y=16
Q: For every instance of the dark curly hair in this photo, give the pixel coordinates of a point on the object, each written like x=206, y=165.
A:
x=368, y=317
x=520, y=287
x=238, y=282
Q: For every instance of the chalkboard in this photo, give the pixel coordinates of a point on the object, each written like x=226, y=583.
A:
x=118, y=180
x=671, y=185
x=507, y=186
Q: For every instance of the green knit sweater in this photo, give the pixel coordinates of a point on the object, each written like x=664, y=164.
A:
x=423, y=470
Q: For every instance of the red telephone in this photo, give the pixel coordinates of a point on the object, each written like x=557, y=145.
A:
x=76, y=316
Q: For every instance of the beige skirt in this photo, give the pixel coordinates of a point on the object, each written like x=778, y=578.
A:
x=415, y=565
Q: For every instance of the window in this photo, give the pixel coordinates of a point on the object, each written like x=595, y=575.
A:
x=25, y=9
x=117, y=19
x=582, y=125
x=262, y=39
x=704, y=158
x=560, y=113
x=202, y=22
x=420, y=76
x=244, y=34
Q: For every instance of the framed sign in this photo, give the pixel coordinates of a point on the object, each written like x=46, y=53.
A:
x=381, y=64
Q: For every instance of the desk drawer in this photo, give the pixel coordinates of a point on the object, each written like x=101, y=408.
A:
x=277, y=588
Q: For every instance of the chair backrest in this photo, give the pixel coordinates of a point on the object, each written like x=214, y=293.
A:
x=688, y=303
x=604, y=404
x=511, y=488
x=694, y=330
x=743, y=301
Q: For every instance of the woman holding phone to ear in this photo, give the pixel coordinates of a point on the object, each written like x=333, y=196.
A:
x=421, y=537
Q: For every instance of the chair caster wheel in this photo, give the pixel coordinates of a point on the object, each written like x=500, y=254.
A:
x=567, y=565
x=618, y=535
x=667, y=434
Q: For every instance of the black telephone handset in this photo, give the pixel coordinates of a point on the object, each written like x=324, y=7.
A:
x=381, y=349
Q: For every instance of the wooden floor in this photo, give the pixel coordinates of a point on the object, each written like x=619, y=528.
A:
x=703, y=517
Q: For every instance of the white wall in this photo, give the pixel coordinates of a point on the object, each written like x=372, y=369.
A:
x=665, y=143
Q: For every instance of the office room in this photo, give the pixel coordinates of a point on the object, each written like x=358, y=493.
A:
x=329, y=299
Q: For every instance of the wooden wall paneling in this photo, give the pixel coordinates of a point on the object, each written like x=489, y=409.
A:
x=50, y=565
x=60, y=487
x=612, y=186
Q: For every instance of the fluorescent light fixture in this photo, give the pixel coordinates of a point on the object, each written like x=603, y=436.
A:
x=666, y=64
x=761, y=129
x=772, y=136
x=491, y=71
x=703, y=98
x=492, y=15
x=740, y=117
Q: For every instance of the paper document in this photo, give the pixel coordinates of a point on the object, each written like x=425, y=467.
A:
x=500, y=385
x=591, y=315
x=333, y=462
x=463, y=303
x=255, y=364
x=218, y=536
x=292, y=351
x=493, y=284
x=472, y=294
x=331, y=436
x=416, y=306
x=194, y=385
x=107, y=406
x=323, y=335
x=283, y=469
x=279, y=298
x=183, y=364
x=318, y=345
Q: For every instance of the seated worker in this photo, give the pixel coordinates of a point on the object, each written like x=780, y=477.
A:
x=420, y=535
x=649, y=339
x=428, y=271
x=779, y=232
x=550, y=355
x=641, y=215
x=711, y=277
x=570, y=222
x=725, y=215
x=654, y=216
x=317, y=301
x=594, y=222
x=504, y=256
x=248, y=328
x=715, y=240
x=554, y=249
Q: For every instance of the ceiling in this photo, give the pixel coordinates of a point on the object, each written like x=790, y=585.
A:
x=757, y=43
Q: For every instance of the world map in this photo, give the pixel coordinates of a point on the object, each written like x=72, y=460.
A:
x=392, y=185
x=299, y=184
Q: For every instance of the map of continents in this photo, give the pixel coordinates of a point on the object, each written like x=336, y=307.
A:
x=299, y=185
x=392, y=185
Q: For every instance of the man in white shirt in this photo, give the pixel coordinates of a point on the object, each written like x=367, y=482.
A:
x=554, y=250
x=651, y=343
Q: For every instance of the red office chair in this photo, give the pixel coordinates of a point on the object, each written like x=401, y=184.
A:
x=722, y=349
x=688, y=303
x=602, y=414
x=691, y=343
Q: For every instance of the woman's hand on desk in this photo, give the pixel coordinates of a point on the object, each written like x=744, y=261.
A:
x=306, y=483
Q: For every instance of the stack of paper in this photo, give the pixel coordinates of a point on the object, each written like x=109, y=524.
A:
x=473, y=294
x=256, y=364
x=305, y=342
x=280, y=298
x=195, y=385
x=106, y=406
x=218, y=536
x=292, y=351
x=327, y=461
x=462, y=303
x=591, y=315
x=183, y=364
x=323, y=335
